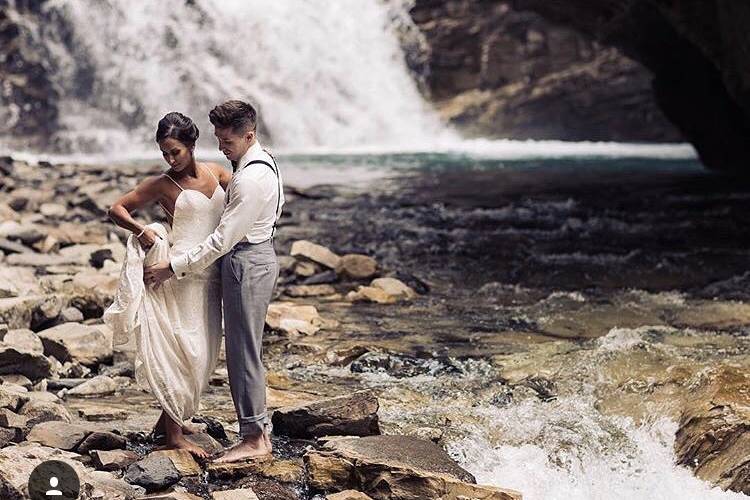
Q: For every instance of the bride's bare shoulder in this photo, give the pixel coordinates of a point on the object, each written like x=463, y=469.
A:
x=221, y=173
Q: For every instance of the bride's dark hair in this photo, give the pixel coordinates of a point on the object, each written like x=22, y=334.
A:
x=177, y=126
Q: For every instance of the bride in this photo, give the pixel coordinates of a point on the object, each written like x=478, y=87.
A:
x=178, y=325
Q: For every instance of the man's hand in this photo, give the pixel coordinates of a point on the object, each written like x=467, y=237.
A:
x=157, y=274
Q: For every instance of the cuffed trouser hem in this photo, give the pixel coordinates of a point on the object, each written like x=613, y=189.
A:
x=252, y=426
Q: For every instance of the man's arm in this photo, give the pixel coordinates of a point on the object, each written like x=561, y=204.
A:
x=246, y=201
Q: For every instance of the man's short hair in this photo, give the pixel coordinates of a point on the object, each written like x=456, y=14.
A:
x=235, y=114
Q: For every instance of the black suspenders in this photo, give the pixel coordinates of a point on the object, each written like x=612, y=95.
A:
x=278, y=187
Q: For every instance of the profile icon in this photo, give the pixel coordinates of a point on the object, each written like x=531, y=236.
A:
x=54, y=479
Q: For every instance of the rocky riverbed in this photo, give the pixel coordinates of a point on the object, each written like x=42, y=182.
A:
x=431, y=332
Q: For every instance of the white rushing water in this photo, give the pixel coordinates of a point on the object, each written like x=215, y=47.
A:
x=323, y=74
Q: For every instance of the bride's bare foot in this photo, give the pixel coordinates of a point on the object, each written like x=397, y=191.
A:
x=247, y=449
x=183, y=444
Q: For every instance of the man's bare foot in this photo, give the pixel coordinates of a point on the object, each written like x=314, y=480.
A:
x=183, y=444
x=247, y=449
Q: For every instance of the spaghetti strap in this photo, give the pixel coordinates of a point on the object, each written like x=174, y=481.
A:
x=167, y=211
x=213, y=175
x=176, y=183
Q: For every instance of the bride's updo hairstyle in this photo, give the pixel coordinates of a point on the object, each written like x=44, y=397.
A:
x=177, y=126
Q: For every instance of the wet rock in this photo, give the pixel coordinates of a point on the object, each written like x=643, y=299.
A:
x=182, y=460
x=32, y=365
x=714, y=429
x=213, y=426
x=307, y=250
x=88, y=345
x=100, y=385
x=285, y=471
x=152, y=473
x=292, y=318
x=395, y=467
x=60, y=435
x=241, y=494
x=348, y=495
x=356, y=266
x=399, y=365
x=342, y=357
x=24, y=339
x=310, y=290
x=113, y=460
x=104, y=441
x=351, y=415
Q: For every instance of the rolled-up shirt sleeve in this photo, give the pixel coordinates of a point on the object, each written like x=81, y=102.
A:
x=246, y=201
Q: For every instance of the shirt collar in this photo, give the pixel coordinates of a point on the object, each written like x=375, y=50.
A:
x=253, y=151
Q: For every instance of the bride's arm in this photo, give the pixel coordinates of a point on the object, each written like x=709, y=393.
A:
x=144, y=194
x=222, y=174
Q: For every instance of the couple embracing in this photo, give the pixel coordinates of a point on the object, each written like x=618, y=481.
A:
x=217, y=253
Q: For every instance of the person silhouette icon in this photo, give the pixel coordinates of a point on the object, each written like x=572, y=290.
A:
x=53, y=492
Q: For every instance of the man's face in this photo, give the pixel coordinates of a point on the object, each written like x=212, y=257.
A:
x=233, y=144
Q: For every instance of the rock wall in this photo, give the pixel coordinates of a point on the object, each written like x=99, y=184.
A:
x=697, y=53
x=496, y=70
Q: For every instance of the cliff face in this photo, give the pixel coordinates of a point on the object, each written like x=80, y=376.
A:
x=494, y=69
x=27, y=96
x=536, y=68
x=697, y=52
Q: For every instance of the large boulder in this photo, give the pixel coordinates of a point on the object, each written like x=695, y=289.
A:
x=351, y=415
x=88, y=345
x=38, y=411
x=395, y=467
x=714, y=434
x=303, y=249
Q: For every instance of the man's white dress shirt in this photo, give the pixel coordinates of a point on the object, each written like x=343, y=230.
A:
x=250, y=213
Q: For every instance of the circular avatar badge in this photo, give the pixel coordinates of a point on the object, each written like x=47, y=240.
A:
x=54, y=479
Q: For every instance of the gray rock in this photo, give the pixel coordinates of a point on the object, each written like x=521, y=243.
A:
x=60, y=435
x=153, y=473
x=10, y=420
x=351, y=415
x=71, y=315
x=11, y=400
x=100, y=385
x=395, y=467
x=8, y=436
x=89, y=345
x=42, y=411
x=119, y=369
x=24, y=339
x=32, y=365
x=323, y=278
x=29, y=311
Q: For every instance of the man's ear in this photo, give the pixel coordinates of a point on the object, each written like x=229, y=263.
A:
x=250, y=135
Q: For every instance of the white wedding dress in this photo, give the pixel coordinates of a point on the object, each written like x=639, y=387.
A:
x=177, y=327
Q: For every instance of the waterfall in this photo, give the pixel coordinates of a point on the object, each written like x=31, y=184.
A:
x=322, y=74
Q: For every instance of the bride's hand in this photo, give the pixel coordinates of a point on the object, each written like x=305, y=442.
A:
x=148, y=238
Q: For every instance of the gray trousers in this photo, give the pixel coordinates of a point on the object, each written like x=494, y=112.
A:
x=248, y=275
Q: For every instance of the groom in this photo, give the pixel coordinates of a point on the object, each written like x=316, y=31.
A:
x=244, y=237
